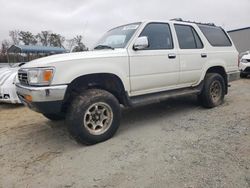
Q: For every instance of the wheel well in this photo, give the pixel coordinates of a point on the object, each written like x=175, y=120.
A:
x=220, y=70
x=105, y=81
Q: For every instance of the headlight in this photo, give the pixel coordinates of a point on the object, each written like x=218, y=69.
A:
x=40, y=76
x=244, y=61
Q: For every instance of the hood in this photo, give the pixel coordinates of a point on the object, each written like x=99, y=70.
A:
x=246, y=56
x=7, y=73
x=53, y=59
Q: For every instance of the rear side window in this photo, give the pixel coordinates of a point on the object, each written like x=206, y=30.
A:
x=216, y=36
x=188, y=37
x=159, y=36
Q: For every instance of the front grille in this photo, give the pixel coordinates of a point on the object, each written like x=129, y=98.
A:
x=23, y=77
x=248, y=60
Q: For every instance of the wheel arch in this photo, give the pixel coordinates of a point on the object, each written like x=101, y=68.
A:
x=219, y=70
x=106, y=81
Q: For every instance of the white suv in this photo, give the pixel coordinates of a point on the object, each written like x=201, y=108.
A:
x=245, y=65
x=133, y=64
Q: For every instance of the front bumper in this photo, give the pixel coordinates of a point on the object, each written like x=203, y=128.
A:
x=245, y=67
x=8, y=95
x=232, y=76
x=246, y=70
x=46, y=100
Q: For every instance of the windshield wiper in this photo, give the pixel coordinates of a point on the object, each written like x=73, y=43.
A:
x=99, y=47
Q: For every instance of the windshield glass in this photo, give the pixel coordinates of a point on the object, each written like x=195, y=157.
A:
x=117, y=37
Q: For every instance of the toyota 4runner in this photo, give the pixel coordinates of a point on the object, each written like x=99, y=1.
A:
x=133, y=64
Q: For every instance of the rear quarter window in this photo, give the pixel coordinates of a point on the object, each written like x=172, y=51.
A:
x=216, y=36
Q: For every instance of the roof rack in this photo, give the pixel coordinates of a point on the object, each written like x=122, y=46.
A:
x=181, y=20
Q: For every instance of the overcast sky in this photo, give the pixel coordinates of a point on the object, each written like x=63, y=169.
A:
x=92, y=18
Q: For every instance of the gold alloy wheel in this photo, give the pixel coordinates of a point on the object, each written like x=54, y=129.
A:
x=98, y=118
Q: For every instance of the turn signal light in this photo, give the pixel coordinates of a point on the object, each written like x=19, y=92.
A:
x=47, y=75
x=28, y=98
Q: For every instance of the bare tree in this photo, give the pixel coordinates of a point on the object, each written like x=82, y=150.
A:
x=56, y=40
x=4, y=46
x=70, y=44
x=79, y=44
x=44, y=37
x=14, y=35
x=27, y=38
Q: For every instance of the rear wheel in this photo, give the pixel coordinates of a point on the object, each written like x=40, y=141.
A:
x=93, y=117
x=213, y=92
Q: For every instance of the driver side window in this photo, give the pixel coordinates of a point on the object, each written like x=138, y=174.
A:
x=159, y=36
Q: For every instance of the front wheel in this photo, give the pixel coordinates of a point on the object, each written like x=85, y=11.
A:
x=213, y=92
x=93, y=117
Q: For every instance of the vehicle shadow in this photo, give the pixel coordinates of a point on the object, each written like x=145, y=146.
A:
x=54, y=134
x=131, y=118
x=137, y=116
x=4, y=106
x=247, y=78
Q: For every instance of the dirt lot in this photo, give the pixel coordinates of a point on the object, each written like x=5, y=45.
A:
x=175, y=143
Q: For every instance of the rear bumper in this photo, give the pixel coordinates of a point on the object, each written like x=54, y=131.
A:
x=46, y=100
x=245, y=67
x=232, y=76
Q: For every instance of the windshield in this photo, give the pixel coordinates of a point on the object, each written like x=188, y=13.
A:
x=117, y=37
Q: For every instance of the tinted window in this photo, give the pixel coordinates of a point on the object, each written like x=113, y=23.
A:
x=187, y=37
x=215, y=35
x=159, y=36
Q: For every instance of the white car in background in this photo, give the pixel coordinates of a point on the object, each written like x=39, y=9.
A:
x=245, y=65
x=7, y=85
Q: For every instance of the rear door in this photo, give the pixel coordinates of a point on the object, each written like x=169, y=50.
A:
x=192, y=54
x=222, y=48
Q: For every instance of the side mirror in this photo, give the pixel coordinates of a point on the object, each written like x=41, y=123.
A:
x=141, y=43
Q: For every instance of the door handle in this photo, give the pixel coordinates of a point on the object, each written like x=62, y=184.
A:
x=171, y=56
x=203, y=55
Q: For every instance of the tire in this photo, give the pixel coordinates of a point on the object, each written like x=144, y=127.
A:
x=93, y=116
x=213, y=91
x=242, y=75
x=54, y=117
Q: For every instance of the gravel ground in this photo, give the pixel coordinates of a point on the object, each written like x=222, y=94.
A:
x=175, y=143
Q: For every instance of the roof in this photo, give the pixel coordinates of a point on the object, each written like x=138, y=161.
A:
x=35, y=49
x=192, y=22
x=239, y=29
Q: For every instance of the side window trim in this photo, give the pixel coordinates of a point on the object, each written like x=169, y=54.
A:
x=195, y=39
x=193, y=33
x=170, y=31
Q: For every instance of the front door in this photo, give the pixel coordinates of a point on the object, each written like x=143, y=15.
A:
x=155, y=68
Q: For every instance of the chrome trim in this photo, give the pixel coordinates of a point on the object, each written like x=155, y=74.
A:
x=232, y=76
x=27, y=72
x=22, y=75
x=42, y=94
